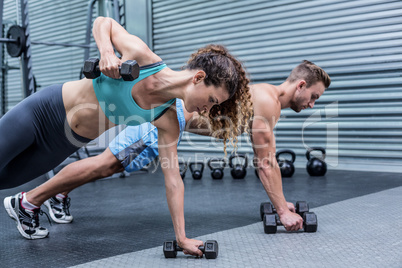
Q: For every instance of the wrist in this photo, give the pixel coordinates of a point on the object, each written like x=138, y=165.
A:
x=107, y=52
x=180, y=239
x=282, y=210
x=180, y=236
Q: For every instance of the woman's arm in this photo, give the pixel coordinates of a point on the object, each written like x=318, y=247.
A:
x=110, y=35
x=168, y=133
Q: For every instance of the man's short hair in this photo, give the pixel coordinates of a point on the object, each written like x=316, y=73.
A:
x=309, y=72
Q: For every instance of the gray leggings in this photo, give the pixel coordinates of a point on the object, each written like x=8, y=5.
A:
x=35, y=138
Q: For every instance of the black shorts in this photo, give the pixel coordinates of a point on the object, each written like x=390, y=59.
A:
x=35, y=137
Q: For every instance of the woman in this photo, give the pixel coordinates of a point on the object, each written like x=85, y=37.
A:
x=45, y=128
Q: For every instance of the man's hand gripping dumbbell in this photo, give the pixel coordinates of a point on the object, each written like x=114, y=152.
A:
x=271, y=219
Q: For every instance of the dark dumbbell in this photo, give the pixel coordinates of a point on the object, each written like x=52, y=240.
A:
x=217, y=171
x=286, y=166
x=316, y=166
x=210, y=249
x=129, y=70
x=267, y=208
x=183, y=169
x=197, y=173
x=238, y=170
x=271, y=219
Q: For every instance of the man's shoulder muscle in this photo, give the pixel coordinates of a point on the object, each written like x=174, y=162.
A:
x=266, y=103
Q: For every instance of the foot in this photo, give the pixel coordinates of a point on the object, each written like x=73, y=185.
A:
x=27, y=220
x=59, y=209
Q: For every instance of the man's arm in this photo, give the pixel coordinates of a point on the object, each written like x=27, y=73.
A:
x=263, y=140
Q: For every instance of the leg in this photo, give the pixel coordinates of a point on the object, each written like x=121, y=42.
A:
x=33, y=138
x=17, y=134
x=132, y=149
x=33, y=162
x=75, y=175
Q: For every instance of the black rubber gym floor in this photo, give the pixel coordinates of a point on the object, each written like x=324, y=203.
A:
x=116, y=216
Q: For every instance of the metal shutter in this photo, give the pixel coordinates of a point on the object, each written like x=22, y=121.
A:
x=358, y=119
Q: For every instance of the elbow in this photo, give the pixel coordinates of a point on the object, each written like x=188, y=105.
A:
x=96, y=25
x=100, y=21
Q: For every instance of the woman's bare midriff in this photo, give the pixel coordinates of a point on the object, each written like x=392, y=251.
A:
x=83, y=113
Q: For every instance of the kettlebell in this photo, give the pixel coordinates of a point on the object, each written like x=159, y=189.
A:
x=197, y=173
x=316, y=166
x=217, y=172
x=183, y=169
x=238, y=170
x=286, y=166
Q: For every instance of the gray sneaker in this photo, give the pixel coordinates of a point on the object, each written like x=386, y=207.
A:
x=27, y=220
x=59, y=209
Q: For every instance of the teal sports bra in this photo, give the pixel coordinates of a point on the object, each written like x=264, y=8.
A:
x=116, y=101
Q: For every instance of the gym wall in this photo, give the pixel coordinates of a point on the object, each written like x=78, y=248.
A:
x=52, y=21
x=358, y=119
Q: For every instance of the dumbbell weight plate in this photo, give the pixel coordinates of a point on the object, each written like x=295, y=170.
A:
x=169, y=249
x=269, y=222
x=310, y=223
x=211, y=249
x=130, y=70
x=301, y=207
x=266, y=208
x=90, y=69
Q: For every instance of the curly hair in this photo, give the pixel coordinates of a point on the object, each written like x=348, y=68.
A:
x=231, y=117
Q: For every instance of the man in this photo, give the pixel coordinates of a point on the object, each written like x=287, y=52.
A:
x=136, y=146
x=306, y=83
